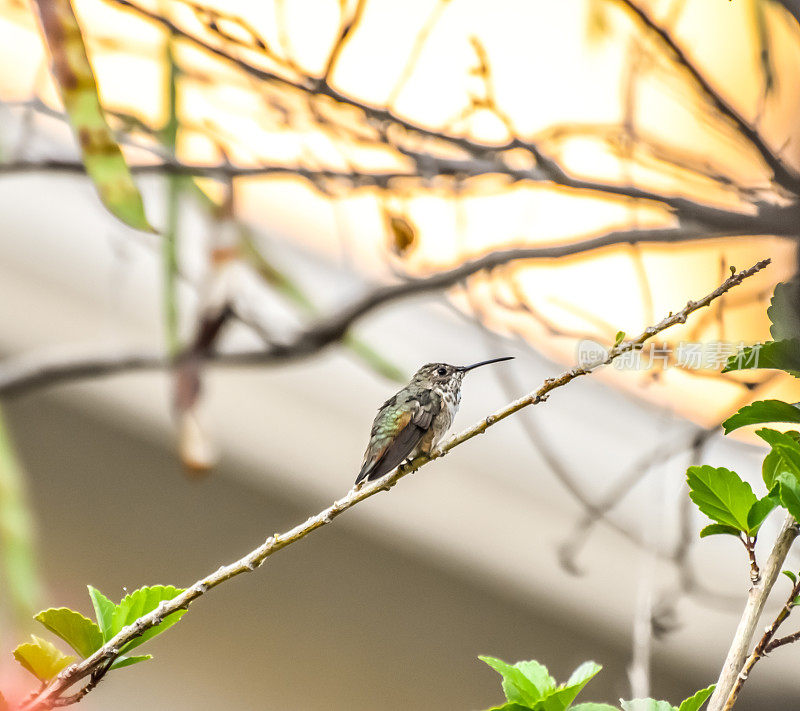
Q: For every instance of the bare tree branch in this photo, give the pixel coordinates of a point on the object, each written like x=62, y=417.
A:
x=784, y=175
x=53, y=693
x=27, y=374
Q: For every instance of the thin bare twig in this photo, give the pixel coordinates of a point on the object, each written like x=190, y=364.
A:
x=49, y=696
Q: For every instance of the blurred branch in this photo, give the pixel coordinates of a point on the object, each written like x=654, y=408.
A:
x=17, y=548
x=52, y=694
x=545, y=168
x=785, y=176
x=27, y=374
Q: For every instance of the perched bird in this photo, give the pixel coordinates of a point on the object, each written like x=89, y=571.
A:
x=414, y=420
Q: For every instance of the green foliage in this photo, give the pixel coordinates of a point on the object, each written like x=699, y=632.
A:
x=715, y=529
x=41, y=658
x=86, y=637
x=103, y=611
x=694, y=702
x=783, y=352
x=77, y=631
x=529, y=686
x=139, y=603
x=761, y=509
x=647, y=705
x=722, y=496
x=761, y=412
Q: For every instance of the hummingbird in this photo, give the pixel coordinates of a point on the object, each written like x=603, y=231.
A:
x=414, y=420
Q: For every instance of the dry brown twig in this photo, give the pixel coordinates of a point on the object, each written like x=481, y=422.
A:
x=53, y=694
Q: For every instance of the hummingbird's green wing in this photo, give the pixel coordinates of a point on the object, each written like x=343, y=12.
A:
x=396, y=431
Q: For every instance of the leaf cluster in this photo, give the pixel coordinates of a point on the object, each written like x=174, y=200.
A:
x=528, y=686
x=44, y=660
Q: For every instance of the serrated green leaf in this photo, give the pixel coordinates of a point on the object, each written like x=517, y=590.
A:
x=74, y=77
x=561, y=698
x=538, y=675
x=41, y=658
x=715, y=529
x=777, y=355
x=593, y=707
x=103, y=611
x=647, y=705
x=79, y=632
x=789, y=574
x=761, y=412
x=760, y=510
x=721, y=495
x=693, y=703
x=139, y=603
x=516, y=686
x=121, y=662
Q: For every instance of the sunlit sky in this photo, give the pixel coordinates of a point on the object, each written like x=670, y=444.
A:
x=552, y=64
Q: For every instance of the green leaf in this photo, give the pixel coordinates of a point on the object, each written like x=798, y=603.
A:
x=778, y=355
x=715, y=529
x=561, y=698
x=593, y=707
x=647, y=705
x=790, y=453
x=760, y=412
x=783, y=312
x=789, y=574
x=693, y=703
x=721, y=495
x=41, y=658
x=510, y=706
x=79, y=632
x=103, y=611
x=619, y=337
x=75, y=80
x=760, y=510
x=790, y=494
x=128, y=661
x=517, y=687
x=538, y=675
x=774, y=463
x=139, y=603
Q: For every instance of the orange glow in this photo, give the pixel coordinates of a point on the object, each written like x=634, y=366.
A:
x=552, y=65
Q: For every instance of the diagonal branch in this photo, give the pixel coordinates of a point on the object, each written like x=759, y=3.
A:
x=52, y=694
x=783, y=175
x=27, y=374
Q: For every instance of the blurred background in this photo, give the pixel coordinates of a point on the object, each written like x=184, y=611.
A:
x=172, y=396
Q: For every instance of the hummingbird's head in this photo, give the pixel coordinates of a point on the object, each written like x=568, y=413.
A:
x=446, y=376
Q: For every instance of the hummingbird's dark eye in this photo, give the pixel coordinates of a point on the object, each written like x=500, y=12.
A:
x=442, y=371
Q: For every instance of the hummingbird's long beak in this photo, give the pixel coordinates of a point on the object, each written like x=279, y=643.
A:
x=465, y=368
